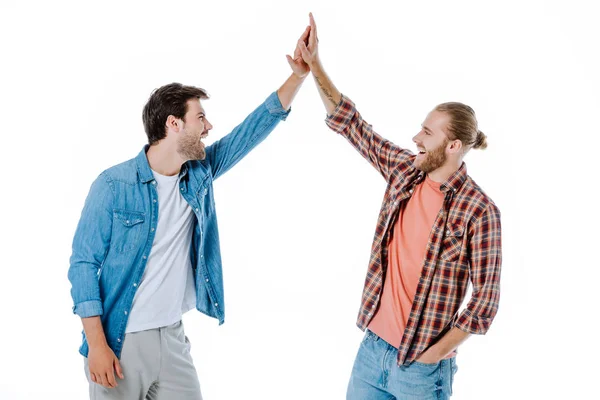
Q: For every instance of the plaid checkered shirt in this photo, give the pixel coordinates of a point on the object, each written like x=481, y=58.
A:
x=464, y=245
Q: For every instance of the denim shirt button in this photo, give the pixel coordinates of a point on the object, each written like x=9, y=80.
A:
x=216, y=304
x=119, y=340
x=206, y=279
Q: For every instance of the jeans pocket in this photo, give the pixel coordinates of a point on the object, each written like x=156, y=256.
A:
x=364, y=340
x=427, y=365
x=369, y=336
x=453, y=369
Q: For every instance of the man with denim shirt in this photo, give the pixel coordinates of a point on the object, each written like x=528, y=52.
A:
x=437, y=230
x=146, y=249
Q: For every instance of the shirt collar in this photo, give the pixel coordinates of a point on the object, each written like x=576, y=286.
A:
x=456, y=180
x=144, y=170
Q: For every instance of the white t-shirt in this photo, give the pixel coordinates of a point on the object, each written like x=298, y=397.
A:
x=167, y=289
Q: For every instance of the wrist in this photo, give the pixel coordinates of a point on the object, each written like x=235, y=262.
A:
x=440, y=353
x=315, y=64
x=432, y=352
x=97, y=343
x=299, y=78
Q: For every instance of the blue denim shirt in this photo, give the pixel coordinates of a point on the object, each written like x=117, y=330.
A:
x=117, y=226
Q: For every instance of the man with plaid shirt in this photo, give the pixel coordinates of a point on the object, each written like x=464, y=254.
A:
x=436, y=231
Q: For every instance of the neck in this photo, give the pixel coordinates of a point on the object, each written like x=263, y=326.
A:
x=444, y=172
x=164, y=159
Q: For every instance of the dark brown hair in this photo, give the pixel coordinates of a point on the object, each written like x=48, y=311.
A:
x=463, y=125
x=167, y=100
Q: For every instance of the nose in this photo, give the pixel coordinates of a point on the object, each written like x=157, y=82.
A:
x=208, y=125
x=416, y=138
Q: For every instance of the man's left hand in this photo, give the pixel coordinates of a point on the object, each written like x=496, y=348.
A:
x=300, y=68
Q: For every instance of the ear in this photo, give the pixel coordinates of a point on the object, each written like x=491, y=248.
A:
x=455, y=146
x=173, y=124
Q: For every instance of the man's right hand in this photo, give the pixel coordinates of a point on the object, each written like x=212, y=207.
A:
x=310, y=53
x=103, y=363
x=330, y=96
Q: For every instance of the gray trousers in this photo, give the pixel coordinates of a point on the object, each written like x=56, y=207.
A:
x=157, y=365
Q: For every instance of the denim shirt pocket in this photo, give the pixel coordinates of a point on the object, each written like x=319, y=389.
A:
x=127, y=228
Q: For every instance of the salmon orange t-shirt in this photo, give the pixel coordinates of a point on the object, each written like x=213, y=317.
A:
x=406, y=252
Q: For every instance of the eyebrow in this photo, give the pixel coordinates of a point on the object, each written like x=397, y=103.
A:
x=201, y=112
x=426, y=128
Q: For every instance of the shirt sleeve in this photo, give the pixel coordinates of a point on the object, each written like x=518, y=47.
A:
x=228, y=151
x=485, y=257
x=384, y=155
x=90, y=246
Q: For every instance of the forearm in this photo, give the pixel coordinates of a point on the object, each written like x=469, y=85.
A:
x=94, y=332
x=329, y=94
x=485, y=261
x=288, y=90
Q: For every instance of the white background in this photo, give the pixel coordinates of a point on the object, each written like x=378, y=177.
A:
x=297, y=216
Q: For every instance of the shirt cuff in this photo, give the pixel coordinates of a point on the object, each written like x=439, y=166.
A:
x=275, y=108
x=91, y=308
x=339, y=120
x=472, y=324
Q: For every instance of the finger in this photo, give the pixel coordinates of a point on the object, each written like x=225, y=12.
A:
x=290, y=60
x=93, y=377
x=304, y=36
x=102, y=380
x=297, y=53
x=305, y=52
x=303, y=39
x=119, y=369
x=313, y=28
x=110, y=376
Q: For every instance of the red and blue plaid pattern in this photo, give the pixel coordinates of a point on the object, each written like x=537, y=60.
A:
x=464, y=245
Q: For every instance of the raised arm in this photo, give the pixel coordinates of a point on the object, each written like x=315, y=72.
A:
x=342, y=117
x=228, y=151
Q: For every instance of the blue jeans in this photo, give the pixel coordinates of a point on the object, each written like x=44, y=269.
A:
x=377, y=376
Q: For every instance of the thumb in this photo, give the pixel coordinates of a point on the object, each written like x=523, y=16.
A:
x=118, y=368
x=290, y=60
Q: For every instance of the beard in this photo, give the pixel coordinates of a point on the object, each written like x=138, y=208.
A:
x=190, y=147
x=433, y=159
